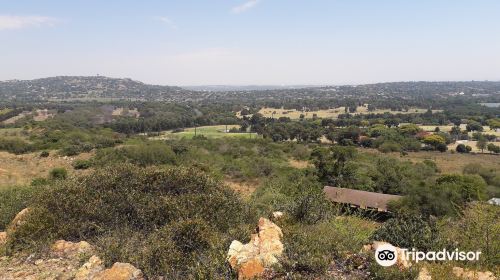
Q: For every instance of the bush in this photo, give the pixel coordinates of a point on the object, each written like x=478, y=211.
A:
x=146, y=154
x=44, y=154
x=15, y=145
x=476, y=230
x=82, y=164
x=13, y=200
x=407, y=231
x=389, y=146
x=58, y=173
x=173, y=222
x=310, y=249
x=461, y=149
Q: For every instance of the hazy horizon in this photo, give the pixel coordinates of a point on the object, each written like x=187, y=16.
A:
x=252, y=42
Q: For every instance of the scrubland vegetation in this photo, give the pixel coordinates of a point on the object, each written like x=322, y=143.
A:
x=164, y=201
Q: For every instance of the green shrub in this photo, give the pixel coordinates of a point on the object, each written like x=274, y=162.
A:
x=15, y=145
x=407, y=231
x=146, y=154
x=175, y=222
x=310, y=249
x=44, y=154
x=58, y=173
x=82, y=164
x=476, y=230
x=388, y=147
x=13, y=200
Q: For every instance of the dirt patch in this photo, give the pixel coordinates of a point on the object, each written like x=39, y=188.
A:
x=446, y=162
x=299, y=164
x=21, y=169
x=244, y=188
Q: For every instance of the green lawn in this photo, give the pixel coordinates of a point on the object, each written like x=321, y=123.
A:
x=215, y=131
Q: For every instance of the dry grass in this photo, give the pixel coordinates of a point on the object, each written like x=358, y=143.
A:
x=245, y=189
x=446, y=162
x=330, y=113
x=299, y=164
x=16, y=118
x=447, y=128
x=21, y=169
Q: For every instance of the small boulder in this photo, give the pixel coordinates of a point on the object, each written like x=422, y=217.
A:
x=277, y=215
x=18, y=220
x=250, y=260
x=68, y=249
x=120, y=271
x=3, y=238
x=89, y=269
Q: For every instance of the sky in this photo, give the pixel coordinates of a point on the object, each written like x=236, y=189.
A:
x=252, y=42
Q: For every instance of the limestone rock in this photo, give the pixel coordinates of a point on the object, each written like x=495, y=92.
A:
x=3, y=238
x=120, y=271
x=89, y=269
x=263, y=250
x=18, y=220
x=277, y=215
x=473, y=274
x=67, y=249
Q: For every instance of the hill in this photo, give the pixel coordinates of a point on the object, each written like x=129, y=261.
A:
x=82, y=87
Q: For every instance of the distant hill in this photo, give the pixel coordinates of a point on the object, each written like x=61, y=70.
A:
x=246, y=87
x=104, y=89
x=91, y=87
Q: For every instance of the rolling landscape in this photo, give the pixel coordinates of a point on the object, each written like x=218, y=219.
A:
x=250, y=140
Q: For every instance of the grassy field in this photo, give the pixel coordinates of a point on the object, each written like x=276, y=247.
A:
x=447, y=162
x=215, y=131
x=447, y=128
x=330, y=113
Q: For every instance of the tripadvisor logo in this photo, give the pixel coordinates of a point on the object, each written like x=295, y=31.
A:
x=387, y=255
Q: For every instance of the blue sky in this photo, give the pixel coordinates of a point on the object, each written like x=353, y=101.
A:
x=242, y=42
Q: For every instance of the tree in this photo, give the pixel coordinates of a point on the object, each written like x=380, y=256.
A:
x=474, y=126
x=481, y=144
x=461, y=149
x=333, y=165
x=493, y=148
x=441, y=147
x=494, y=123
x=434, y=140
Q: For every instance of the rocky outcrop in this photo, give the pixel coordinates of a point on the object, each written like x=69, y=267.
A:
x=265, y=247
x=3, y=237
x=89, y=269
x=120, y=271
x=18, y=220
x=473, y=274
x=63, y=262
x=67, y=249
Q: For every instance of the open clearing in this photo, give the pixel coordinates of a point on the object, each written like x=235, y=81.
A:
x=214, y=131
x=21, y=169
x=293, y=114
x=446, y=162
x=447, y=128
